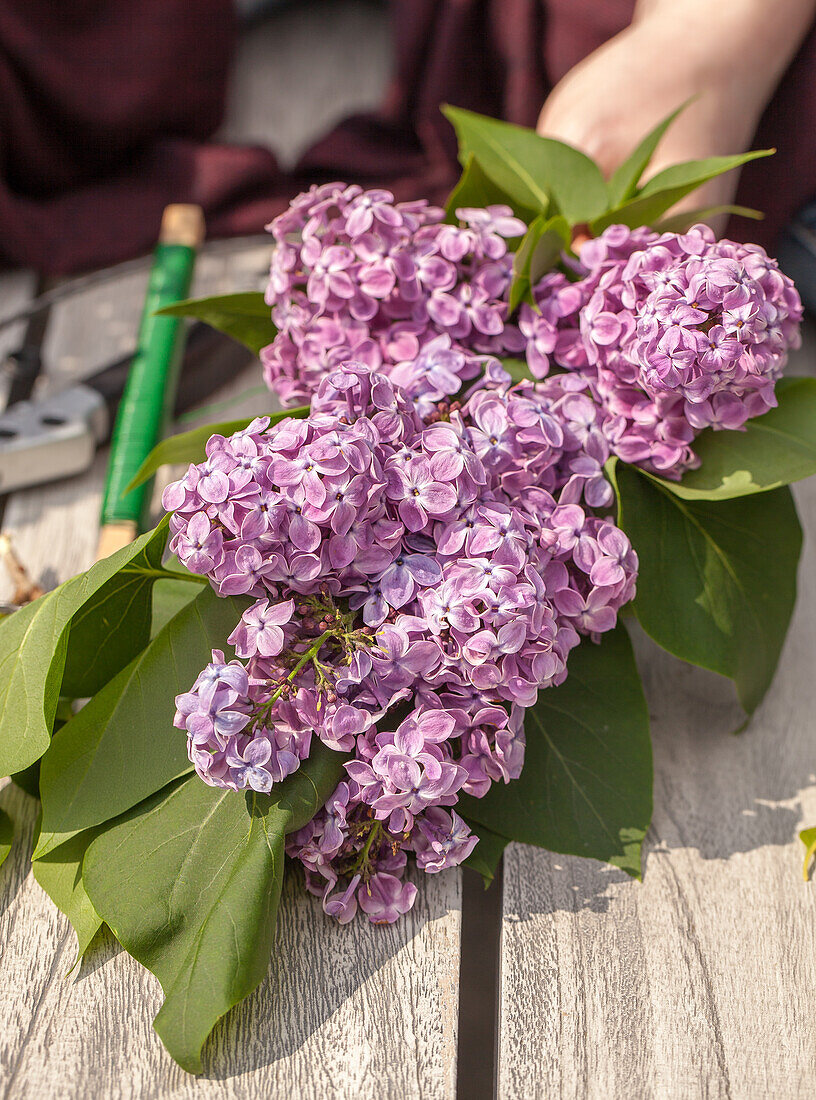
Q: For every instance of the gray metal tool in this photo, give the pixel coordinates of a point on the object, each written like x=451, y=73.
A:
x=56, y=437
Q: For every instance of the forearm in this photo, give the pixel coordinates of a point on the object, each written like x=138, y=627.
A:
x=726, y=56
x=747, y=44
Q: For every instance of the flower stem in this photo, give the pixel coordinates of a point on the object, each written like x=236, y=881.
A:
x=362, y=859
x=311, y=652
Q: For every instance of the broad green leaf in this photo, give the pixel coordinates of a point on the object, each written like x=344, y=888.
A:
x=6, y=835
x=773, y=450
x=28, y=780
x=668, y=187
x=114, y=624
x=623, y=183
x=122, y=746
x=33, y=650
x=244, y=316
x=60, y=875
x=189, y=882
x=586, y=786
x=169, y=597
x=190, y=446
x=534, y=171
x=486, y=856
x=808, y=838
x=680, y=223
x=475, y=189
x=717, y=580
x=543, y=243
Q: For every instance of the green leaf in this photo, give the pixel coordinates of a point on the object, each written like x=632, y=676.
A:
x=122, y=746
x=696, y=172
x=717, y=580
x=6, y=835
x=475, y=189
x=808, y=838
x=60, y=875
x=773, y=450
x=624, y=181
x=534, y=171
x=518, y=370
x=189, y=882
x=539, y=251
x=189, y=446
x=486, y=856
x=680, y=223
x=34, y=646
x=668, y=187
x=169, y=597
x=245, y=316
x=114, y=624
x=586, y=787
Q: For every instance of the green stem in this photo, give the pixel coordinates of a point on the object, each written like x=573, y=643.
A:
x=362, y=859
x=311, y=652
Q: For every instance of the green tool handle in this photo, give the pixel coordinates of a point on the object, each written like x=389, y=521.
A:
x=150, y=390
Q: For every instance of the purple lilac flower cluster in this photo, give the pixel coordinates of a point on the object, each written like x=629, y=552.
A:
x=357, y=276
x=671, y=333
x=674, y=333
x=415, y=581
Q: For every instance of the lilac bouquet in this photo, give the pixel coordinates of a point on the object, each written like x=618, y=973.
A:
x=426, y=548
x=385, y=622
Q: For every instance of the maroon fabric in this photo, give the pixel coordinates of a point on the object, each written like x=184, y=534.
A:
x=106, y=107
x=105, y=111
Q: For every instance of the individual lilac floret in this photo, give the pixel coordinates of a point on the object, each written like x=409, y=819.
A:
x=261, y=629
x=443, y=840
x=384, y=898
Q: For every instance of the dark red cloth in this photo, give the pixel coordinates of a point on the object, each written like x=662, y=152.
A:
x=106, y=107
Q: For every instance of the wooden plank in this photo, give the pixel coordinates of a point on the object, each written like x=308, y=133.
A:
x=346, y=1012
x=351, y=1012
x=701, y=982
x=54, y=527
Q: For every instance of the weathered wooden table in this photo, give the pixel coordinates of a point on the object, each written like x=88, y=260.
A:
x=701, y=982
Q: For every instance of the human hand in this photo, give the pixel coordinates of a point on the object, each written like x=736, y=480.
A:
x=724, y=55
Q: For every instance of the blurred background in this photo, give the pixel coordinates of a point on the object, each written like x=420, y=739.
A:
x=111, y=109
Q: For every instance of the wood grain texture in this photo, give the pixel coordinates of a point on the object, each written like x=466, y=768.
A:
x=701, y=982
x=345, y=1012
x=349, y=1012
